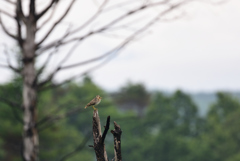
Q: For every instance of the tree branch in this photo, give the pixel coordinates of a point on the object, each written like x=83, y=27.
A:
x=32, y=8
x=115, y=50
x=40, y=71
x=19, y=30
x=117, y=132
x=68, y=55
x=8, y=62
x=106, y=129
x=49, y=118
x=90, y=19
x=10, y=103
x=49, y=18
x=9, y=67
x=78, y=148
x=19, y=11
x=11, y=2
x=46, y=9
x=50, y=77
x=75, y=77
x=46, y=62
x=101, y=29
x=14, y=106
x=56, y=23
x=6, y=30
x=107, y=26
x=7, y=14
x=98, y=140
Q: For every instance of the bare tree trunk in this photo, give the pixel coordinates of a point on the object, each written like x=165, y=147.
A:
x=30, y=134
x=117, y=132
x=98, y=138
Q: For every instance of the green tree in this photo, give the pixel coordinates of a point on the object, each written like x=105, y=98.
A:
x=172, y=121
x=222, y=132
x=132, y=97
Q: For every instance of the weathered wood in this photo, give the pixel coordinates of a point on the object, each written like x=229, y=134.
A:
x=98, y=138
x=117, y=132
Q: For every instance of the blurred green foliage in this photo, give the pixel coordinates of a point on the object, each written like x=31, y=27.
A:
x=168, y=127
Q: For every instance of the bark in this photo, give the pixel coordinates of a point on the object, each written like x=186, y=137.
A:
x=98, y=138
x=30, y=134
x=117, y=132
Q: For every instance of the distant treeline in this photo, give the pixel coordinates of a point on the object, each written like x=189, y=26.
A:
x=156, y=126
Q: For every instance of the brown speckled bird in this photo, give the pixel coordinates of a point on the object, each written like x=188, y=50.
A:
x=94, y=102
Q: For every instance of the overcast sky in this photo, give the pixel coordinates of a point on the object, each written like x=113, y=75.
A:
x=197, y=53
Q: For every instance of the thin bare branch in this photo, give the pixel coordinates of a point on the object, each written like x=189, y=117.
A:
x=107, y=26
x=7, y=14
x=47, y=61
x=11, y=2
x=6, y=30
x=106, y=129
x=47, y=8
x=115, y=50
x=19, y=11
x=101, y=29
x=91, y=19
x=19, y=30
x=181, y=15
x=120, y=46
x=73, y=77
x=56, y=23
x=50, y=77
x=94, y=59
x=16, y=115
x=8, y=61
x=10, y=67
x=32, y=7
x=10, y=103
x=49, y=18
x=120, y=5
x=50, y=119
x=4, y=66
x=77, y=149
x=69, y=54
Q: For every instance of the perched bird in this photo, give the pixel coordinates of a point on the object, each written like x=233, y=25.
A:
x=94, y=102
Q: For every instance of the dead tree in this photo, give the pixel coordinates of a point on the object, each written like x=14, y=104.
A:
x=31, y=16
x=117, y=132
x=98, y=138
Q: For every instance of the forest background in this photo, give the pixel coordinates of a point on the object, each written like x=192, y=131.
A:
x=156, y=125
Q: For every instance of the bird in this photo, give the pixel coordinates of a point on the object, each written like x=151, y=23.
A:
x=94, y=102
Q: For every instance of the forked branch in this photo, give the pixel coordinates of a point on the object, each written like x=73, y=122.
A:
x=47, y=8
x=56, y=23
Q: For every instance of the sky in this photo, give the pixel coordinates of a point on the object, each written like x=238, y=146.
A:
x=199, y=52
